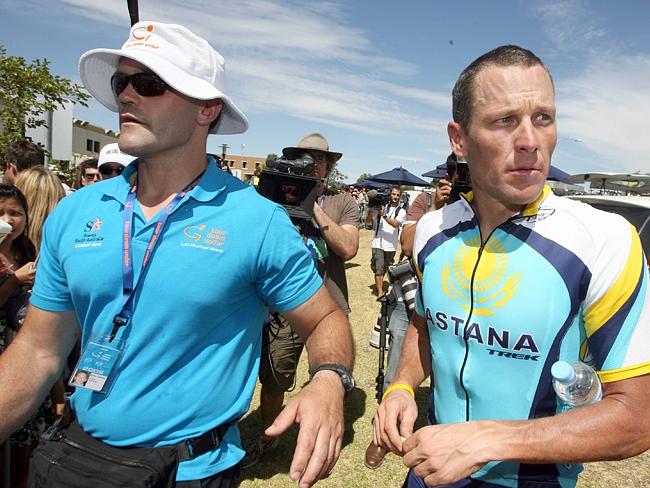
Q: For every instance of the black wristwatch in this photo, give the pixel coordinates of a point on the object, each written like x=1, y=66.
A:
x=342, y=371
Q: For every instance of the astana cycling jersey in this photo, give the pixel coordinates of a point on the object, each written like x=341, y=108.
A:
x=559, y=280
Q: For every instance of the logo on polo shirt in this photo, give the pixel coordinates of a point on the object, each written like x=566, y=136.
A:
x=204, y=237
x=90, y=236
x=93, y=226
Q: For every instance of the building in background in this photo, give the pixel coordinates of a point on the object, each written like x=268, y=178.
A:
x=243, y=167
x=70, y=139
x=88, y=140
x=56, y=135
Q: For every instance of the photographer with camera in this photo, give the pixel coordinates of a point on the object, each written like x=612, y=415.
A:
x=384, y=245
x=449, y=189
x=336, y=219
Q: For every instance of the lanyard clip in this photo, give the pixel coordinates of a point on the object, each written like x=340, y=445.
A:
x=118, y=321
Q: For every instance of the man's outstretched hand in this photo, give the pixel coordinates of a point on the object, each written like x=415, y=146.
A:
x=318, y=408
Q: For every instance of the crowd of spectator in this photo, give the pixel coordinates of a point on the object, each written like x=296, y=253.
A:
x=29, y=192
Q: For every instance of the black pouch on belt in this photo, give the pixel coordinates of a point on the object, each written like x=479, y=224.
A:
x=70, y=458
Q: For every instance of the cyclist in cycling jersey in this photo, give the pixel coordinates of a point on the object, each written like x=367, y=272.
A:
x=513, y=279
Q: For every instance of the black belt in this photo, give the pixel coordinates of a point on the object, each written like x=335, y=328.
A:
x=186, y=449
x=191, y=448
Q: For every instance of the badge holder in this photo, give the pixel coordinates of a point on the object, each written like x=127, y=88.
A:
x=96, y=368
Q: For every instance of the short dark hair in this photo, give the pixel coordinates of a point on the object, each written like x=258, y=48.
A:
x=88, y=163
x=24, y=154
x=463, y=92
x=396, y=187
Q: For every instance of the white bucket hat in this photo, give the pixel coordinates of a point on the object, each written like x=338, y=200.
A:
x=111, y=153
x=185, y=61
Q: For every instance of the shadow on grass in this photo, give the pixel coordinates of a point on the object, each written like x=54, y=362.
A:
x=279, y=459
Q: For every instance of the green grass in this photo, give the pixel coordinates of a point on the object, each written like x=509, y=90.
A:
x=273, y=470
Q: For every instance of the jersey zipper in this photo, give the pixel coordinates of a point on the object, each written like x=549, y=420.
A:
x=471, y=305
x=467, y=322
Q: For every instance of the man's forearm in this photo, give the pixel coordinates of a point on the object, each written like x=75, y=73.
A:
x=406, y=239
x=32, y=363
x=392, y=222
x=25, y=380
x=617, y=427
x=331, y=342
x=325, y=329
x=341, y=241
x=415, y=357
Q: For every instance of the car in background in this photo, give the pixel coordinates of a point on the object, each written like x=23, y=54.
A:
x=636, y=209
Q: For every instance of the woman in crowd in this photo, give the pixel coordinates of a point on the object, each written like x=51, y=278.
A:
x=18, y=255
x=43, y=190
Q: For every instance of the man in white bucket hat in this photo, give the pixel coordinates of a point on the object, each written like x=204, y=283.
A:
x=112, y=161
x=171, y=337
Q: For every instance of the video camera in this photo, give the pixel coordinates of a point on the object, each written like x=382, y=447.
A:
x=377, y=199
x=458, y=173
x=303, y=165
x=287, y=182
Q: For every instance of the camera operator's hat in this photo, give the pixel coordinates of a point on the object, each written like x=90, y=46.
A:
x=185, y=61
x=313, y=141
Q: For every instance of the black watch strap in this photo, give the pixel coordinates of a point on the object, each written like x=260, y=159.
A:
x=346, y=375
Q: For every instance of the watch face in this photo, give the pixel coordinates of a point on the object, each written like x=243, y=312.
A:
x=348, y=382
x=346, y=378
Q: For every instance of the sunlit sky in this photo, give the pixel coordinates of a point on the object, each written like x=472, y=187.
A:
x=375, y=76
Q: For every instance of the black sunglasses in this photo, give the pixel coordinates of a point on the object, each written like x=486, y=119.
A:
x=145, y=84
x=108, y=169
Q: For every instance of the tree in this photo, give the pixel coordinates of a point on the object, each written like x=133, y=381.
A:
x=65, y=169
x=27, y=92
x=335, y=179
x=363, y=177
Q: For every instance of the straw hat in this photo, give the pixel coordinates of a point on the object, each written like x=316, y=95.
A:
x=313, y=141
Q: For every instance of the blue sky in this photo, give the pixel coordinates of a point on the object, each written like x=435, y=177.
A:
x=375, y=76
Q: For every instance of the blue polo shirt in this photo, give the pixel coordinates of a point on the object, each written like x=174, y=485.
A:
x=192, y=347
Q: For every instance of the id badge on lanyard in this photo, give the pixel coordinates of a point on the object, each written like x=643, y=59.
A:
x=97, y=365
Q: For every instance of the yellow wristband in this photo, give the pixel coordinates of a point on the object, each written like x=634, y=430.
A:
x=398, y=386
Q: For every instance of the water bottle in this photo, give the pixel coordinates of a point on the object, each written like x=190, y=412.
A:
x=576, y=384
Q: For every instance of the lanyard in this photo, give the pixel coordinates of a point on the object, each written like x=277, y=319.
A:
x=128, y=287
